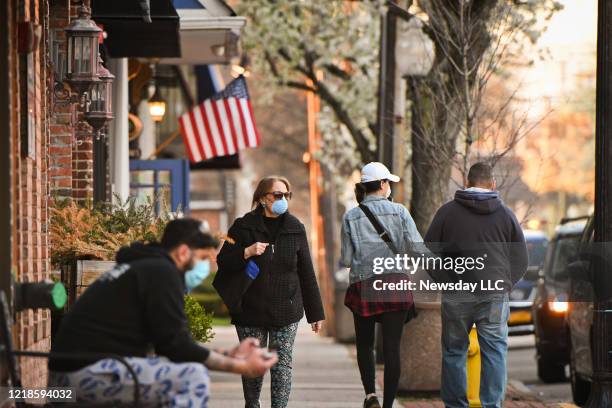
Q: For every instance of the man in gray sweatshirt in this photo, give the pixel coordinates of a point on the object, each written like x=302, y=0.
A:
x=481, y=234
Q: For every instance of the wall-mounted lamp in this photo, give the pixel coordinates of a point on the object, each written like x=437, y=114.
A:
x=99, y=108
x=82, y=52
x=84, y=72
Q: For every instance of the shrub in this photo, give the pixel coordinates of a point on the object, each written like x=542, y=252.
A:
x=200, y=322
x=206, y=295
x=80, y=232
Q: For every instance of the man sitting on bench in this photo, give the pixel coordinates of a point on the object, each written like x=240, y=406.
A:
x=136, y=310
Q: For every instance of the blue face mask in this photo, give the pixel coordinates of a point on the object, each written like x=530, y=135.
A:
x=196, y=275
x=280, y=206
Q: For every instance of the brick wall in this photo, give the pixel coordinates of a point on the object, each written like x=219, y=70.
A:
x=30, y=204
x=70, y=146
x=61, y=166
x=82, y=166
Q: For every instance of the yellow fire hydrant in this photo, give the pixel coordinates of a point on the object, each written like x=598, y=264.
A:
x=473, y=370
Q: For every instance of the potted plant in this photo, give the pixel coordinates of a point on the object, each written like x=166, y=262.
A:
x=85, y=239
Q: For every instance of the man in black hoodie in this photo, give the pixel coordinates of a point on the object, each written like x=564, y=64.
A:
x=136, y=310
x=482, y=236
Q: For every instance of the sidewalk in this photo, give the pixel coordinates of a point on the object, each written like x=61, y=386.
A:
x=517, y=396
x=325, y=374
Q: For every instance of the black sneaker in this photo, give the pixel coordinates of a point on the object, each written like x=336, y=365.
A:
x=371, y=402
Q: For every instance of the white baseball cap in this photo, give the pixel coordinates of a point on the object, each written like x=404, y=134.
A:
x=377, y=171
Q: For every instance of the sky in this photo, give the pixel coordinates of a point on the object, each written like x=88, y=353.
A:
x=569, y=62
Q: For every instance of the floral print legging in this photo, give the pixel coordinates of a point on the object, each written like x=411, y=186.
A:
x=282, y=340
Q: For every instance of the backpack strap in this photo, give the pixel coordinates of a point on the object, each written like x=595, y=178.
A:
x=380, y=230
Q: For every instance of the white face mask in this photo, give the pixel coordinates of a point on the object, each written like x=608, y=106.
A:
x=388, y=190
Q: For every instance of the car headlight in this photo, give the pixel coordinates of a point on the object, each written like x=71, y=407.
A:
x=558, y=306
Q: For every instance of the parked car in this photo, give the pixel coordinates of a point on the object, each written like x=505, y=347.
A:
x=523, y=293
x=550, y=306
x=580, y=318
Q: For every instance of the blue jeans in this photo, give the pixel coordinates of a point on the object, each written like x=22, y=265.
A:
x=490, y=314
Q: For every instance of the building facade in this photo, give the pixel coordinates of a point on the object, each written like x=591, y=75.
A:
x=44, y=156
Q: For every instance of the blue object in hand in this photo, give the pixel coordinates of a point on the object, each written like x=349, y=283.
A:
x=252, y=270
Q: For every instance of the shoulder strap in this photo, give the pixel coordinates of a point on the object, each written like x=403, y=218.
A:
x=382, y=233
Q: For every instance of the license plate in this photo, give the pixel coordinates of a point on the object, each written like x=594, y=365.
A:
x=519, y=317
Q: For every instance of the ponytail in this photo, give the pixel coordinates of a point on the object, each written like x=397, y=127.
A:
x=360, y=192
x=362, y=189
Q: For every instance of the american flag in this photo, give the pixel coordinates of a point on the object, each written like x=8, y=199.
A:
x=221, y=125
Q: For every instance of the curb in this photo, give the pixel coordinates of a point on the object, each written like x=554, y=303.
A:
x=516, y=390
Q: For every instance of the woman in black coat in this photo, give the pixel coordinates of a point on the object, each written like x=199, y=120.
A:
x=267, y=281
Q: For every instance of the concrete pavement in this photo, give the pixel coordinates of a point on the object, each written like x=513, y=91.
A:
x=325, y=374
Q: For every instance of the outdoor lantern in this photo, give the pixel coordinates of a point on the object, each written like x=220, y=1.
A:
x=82, y=54
x=157, y=106
x=414, y=50
x=99, y=109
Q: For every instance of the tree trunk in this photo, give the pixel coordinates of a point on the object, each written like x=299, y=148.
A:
x=433, y=138
x=439, y=101
x=429, y=186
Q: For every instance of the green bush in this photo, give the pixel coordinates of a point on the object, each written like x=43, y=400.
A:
x=200, y=322
x=209, y=299
x=211, y=302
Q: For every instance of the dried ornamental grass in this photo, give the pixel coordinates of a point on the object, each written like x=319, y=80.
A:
x=79, y=232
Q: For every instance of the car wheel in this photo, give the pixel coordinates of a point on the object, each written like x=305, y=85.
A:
x=550, y=371
x=581, y=388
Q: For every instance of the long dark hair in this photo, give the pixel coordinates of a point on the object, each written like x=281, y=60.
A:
x=363, y=189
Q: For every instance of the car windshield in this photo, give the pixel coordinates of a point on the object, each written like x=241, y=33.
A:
x=565, y=251
x=537, y=251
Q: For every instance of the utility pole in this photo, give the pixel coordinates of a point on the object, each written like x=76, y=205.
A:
x=386, y=88
x=601, y=389
x=392, y=94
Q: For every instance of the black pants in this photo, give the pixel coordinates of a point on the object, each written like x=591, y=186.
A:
x=392, y=325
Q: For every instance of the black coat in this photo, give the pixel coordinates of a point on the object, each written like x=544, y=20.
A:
x=286, y=285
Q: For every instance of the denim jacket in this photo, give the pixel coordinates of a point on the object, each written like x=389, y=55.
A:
x=361, y=244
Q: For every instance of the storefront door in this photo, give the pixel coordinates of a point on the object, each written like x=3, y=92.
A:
x=166, y=181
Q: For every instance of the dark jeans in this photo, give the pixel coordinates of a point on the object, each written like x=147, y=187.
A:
x=392, y=326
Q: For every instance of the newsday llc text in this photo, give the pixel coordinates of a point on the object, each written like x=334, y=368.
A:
x=410, y=264
x=428, y=286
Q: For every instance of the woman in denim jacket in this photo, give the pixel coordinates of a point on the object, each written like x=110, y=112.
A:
x=364, y=252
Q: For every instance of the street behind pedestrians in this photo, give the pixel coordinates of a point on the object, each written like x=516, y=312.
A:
x=522, y=367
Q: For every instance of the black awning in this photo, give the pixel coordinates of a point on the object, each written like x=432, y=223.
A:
x=130, y=35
